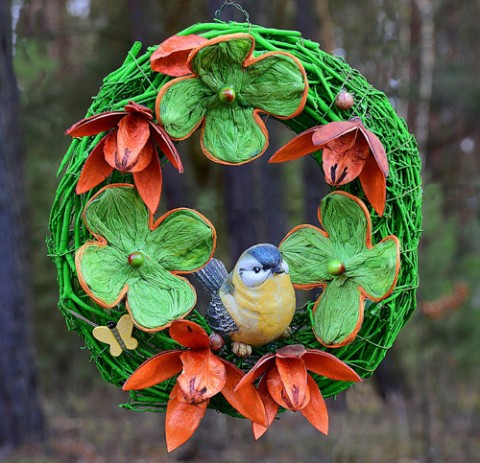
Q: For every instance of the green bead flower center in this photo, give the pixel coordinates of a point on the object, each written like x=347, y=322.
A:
x=335, y=267
x=136, y=259
x=227, y=94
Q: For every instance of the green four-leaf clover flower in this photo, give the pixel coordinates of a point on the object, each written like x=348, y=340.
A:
x=342, y=260
x=226, y=93
x=137, y=258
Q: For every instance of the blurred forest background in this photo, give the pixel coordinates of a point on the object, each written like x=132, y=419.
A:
x=423, y=405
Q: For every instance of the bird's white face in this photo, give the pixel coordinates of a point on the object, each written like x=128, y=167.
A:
x=253, y=273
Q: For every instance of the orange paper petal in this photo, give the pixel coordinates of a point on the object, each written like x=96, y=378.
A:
x=133, y=133
x=166, y=145
x=278, y=392
x=325, y=364
x=181, y=420
x=344, y=158
x=170, y=57
x=260, y=367
x=374, y=185
x=110, y=148
x=149, y=183
x=189, y=334
x=155, y=370
x=293, y=373
x=95, y=124
x=316, y=411
x=139, y=109
x=275, y=387
x=324, y=134
x=271, y=409
x=377, y=150
x=299, y=146
x=292, y=351
x=144, y=158
x=95, y=169
x=246, y=400
x=203, y=375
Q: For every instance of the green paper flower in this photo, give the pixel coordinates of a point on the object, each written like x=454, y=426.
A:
x=343, y=261
x=227, y=91
x=137, y=258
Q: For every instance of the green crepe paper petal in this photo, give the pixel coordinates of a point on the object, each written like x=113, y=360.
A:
x=182, y=242
x=105, y=270
x=183, y=106
x=274, y=84
x=337, y=311
x=221, y=64
x=156, y=298
x=120, y=216
x=375, y=270
x=232, y=135
x=346, y=224
x=307, y=253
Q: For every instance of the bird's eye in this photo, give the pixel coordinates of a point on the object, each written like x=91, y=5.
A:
x=256, y=269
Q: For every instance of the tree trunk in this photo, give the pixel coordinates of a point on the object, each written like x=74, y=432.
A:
x=20, y=412
x=422, y=68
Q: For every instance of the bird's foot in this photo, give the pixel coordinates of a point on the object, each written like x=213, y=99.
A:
x=286, y=334
x=241, y=349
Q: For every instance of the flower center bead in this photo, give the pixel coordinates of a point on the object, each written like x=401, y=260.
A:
x=227, y=94
x=136, y=259
x=335, y=267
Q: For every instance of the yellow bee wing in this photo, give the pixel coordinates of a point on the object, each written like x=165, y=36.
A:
x=104, y=334
x=125, y=328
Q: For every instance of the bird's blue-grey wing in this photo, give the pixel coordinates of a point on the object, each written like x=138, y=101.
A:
x=219, y=319
x=212, y=277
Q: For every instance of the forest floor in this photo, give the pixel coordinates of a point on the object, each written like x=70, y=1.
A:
x=363, y=428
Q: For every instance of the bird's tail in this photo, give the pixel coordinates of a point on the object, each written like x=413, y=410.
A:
x=212, y=275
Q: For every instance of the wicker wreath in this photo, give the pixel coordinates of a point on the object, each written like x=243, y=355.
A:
x=328, y=77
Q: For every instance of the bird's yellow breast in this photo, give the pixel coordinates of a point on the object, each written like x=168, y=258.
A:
x=262, y=313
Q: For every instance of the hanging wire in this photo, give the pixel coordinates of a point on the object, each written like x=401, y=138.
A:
x=242, y=10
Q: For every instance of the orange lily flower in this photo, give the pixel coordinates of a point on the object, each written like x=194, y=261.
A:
x=286, y=383
x=129, y=147
x=349, y=151
x=203, y=375
x=171, y=56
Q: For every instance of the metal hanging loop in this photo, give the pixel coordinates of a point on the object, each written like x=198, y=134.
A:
x=226, y=3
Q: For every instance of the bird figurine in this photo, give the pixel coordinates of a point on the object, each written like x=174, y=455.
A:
x=255, y=303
